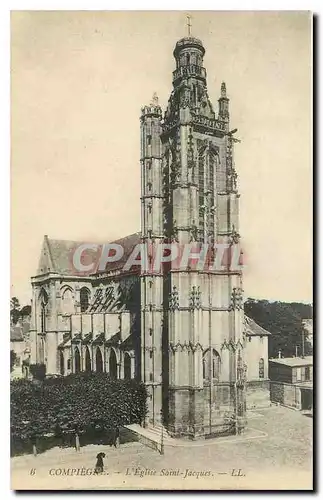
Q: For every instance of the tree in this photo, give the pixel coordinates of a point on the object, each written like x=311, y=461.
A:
x=14, y=310
x=13, y=357
x=284, y=322
x=25, y=311
x=78, y=402
x=14, y=303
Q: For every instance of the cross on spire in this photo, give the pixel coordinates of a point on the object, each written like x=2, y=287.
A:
x=154, y=101
x=189, y=25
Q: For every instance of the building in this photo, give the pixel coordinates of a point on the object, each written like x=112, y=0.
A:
x=291, y=382
x=256, y=355
x=308, y=330
x=20, y=344
x=178, y=329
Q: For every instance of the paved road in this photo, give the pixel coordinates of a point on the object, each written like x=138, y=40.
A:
x=282, y=459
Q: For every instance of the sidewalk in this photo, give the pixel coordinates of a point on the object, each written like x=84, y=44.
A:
x=60, y=456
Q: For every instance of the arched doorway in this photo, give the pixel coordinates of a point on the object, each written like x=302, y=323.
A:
x=61, y=363
x=127, y=366
x=113, y=365
x=87, y=360
x=98, y=360
x=77, y=360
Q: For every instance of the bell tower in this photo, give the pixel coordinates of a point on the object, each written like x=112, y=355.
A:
x=192, y=340
x=201, y=207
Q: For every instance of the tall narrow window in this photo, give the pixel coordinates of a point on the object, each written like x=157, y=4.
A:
x=43, y=318
x=261, y=368
x=127, y=366
x=148, y=140
x=61, y=362
x=43, y=309
x=68, y=301
x=84, y=299
x=307, y=373
x=113, y=365
x=211, y=364
x=77, y=360
x=98, y=361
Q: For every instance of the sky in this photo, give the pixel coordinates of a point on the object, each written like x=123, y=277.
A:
x=78, y=82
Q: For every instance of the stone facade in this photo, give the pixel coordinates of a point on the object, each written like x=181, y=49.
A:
x=178, y=329
x=256, y=355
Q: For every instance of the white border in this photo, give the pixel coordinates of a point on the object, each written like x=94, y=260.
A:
x=5, y=8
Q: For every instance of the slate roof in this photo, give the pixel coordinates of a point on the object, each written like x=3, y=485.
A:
x=57, y=255
x=293, y=362
x=128, y=244
x=252, y=328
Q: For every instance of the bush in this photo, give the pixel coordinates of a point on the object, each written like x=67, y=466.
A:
x=77, y=402
x=38, y=371
x=13, y=357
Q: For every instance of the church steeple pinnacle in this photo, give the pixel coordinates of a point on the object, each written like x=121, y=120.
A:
x=189, y=25
x=224, y=104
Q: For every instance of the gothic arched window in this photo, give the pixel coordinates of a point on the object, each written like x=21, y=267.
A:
x=88, y=364
x=113, y=365
x=43, y=309
x=61, y=363
x=67, y=301
x=211, y=364
x=98, y=360
x=84, y=299
x=77, y=360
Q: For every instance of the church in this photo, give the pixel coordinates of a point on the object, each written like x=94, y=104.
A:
x=181, y=331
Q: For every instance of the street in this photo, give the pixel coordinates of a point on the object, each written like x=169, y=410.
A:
x=276, y=453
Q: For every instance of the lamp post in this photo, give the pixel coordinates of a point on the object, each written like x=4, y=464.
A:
x=162, y=434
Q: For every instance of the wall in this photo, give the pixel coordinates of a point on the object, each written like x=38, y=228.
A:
x=256, y=348
x=285, y=394
x=257, y=388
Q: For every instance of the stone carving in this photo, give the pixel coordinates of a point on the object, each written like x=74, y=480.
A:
x=190, y=151
x=154, y=101
x=231, y=345
x=232, y=180
x=208, y=123
x=185, y=346
x=236, y=299
x=195, y=298
x=185, y=99
x=173, y=299
x=234, y=236
x=241, y=372
x=194, y=232
x=175, y=172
